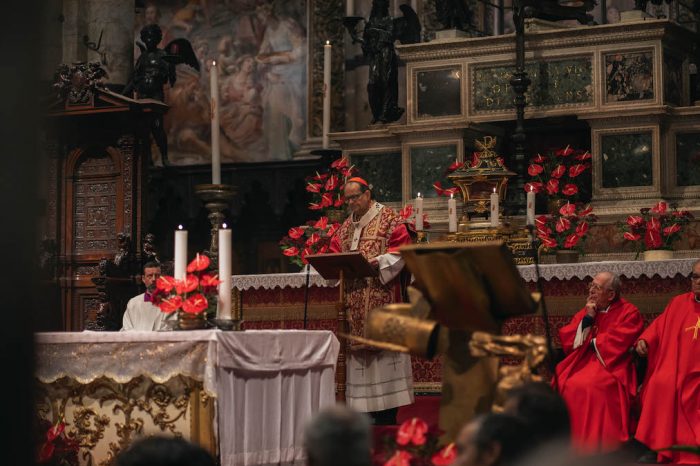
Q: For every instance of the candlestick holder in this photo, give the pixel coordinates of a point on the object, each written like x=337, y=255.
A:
x=216, y=198
x=235, y=323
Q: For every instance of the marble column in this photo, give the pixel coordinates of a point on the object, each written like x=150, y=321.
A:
x=74, y=27
x=115, y=20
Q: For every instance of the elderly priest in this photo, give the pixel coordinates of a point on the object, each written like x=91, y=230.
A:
x=378, y=382
x=597, y=378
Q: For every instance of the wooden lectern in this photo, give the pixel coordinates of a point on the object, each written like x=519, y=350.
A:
x=341, y=266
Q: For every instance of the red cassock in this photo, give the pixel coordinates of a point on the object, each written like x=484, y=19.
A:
x=597, y=378
x=671, y=390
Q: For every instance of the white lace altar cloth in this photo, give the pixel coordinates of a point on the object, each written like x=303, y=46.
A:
x=267, y=383
x=581, y=270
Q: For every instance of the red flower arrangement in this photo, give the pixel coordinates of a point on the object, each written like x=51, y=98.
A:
x=57, y=448
x=416, y=444
x=193, y=295
x=327, y=188
x=657, y=227
x=559, y=173
x=312, y=238
x=566, y=229
x=408, y=215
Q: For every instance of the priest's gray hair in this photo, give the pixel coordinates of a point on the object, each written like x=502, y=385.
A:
x=338, y=436
x=615, y=284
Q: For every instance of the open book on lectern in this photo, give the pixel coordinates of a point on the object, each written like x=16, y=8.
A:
x=352, y=264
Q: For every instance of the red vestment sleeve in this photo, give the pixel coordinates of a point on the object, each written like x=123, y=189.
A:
x=399, y=237
x=567, y=334
x=613, y=342
x=653, y=333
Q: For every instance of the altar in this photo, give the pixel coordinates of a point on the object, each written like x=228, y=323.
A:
x=277, y=300
x=245, y=396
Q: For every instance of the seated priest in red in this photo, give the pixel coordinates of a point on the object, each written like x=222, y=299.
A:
x=670, y=395
x=378, y=382
x=141, y=313
x=597, y=378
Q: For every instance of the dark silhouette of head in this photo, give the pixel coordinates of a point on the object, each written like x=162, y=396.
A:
x=164, y=451
x=542, y=409
x=338, y=436
x=493, y=440
x=151, y=35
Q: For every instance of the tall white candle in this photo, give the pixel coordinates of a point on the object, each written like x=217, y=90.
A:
x=350, y=8
x=223, y=310
x=530, y=207
x=215, y=149
x=326, y=92
x=494, y=209
x=419, y=213
x=452, y=213
x=180, y=253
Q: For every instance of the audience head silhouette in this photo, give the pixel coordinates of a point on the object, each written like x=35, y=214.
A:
x=542, y=409
x=164, y=451
x=492, y=440
x=338, y=436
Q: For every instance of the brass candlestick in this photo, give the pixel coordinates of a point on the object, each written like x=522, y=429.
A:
x=216, y=198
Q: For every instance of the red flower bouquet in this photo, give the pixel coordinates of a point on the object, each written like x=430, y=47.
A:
x=194, y=295
x=408, y=215
x=57, y=447
x=566, y=229
x=416, y=444
x=655, y=228
x=312, y=238
x=561, y=174
x=327, y=188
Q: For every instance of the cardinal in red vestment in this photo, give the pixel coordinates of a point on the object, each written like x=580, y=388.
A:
x=597, y=378
x=378, y=382
x=671, y=391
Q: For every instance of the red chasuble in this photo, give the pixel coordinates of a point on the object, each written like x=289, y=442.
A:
x=597, y=378
x=671, y=391
x=384, y=233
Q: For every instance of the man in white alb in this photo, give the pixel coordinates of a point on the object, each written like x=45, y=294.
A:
x=140, y=313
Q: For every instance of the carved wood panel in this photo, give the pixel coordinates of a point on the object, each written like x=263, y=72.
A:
x=95, y=205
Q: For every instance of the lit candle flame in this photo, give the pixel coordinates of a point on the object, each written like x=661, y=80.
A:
x=179, y=227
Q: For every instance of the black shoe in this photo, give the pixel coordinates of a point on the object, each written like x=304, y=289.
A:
x=649, y=457
x=384, y=418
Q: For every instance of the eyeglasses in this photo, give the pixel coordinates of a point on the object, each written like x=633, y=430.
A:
x=595, y=286
x=694, y=276
x=353, y=197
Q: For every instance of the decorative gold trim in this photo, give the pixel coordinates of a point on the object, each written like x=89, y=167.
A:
x=105, y=416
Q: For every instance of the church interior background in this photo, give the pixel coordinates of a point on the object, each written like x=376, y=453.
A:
x=623, y=89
